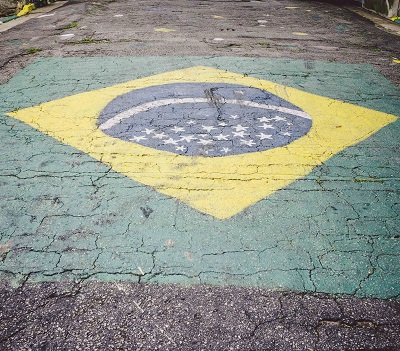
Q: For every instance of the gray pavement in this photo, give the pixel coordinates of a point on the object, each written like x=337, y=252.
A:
x=252, y=29
x=85, y=267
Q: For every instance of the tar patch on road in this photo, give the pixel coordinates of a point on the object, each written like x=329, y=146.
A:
x=121, y=316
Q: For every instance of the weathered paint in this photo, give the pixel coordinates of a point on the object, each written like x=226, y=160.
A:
x=164, y=30
x=221, y=186
x=67, y=216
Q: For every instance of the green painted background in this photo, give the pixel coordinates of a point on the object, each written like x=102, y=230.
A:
x=64, y=215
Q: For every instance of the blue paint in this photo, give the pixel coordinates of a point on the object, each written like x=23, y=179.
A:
x=221, y=125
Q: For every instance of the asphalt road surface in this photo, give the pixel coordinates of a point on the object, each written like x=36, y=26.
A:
x=199, y=175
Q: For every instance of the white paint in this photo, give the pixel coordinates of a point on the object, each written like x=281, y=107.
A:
x=164, y=102
x=263, y=136
x=49, y=15
x=69, y=35
x=118, y=15
x=218, y=39
x=137, y=305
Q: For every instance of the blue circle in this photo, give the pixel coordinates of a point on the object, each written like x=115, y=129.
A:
x=204, y=119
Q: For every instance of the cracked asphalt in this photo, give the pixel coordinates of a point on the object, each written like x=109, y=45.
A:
x=203, y=175
x=123, y=316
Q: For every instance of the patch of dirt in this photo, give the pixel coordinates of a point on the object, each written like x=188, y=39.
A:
x=8, y=8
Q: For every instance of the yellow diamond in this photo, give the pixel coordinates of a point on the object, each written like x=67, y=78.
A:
x=218, y=186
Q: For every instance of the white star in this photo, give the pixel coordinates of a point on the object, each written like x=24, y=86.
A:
x=148, y=131
x=221, y=137
x=266, y=126
x=264, y=119
x=239, y=134
x=191, y=122
x=234, y=116
x=226, y=149
x=177, y=129
x=247, y=142
x=204, y=135
x=239, y=128
x=263, y=136
x=208, y=128
x=159, y=135
x=138, y=138
x=277, y=118
x=170, y=141
x=180, y=148
x=208, y=151
x=222, y=124
x=287, y=134
x=187, y=138
x=204, y=142
x=241, y=92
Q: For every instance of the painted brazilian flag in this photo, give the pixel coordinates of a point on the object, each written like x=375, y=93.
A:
x=259, y=172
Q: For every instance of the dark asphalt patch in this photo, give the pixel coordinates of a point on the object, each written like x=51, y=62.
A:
x=123, y=316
